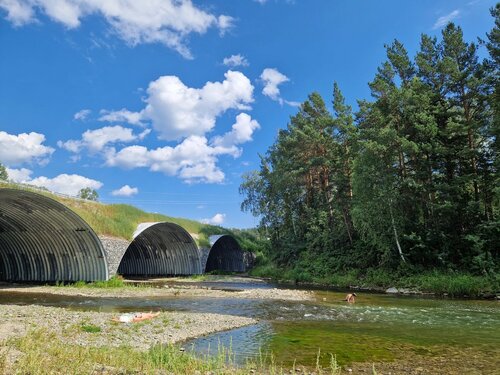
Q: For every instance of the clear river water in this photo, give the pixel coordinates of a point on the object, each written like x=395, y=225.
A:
x=377, y=328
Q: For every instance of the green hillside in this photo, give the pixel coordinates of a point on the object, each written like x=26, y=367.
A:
x=121, y=220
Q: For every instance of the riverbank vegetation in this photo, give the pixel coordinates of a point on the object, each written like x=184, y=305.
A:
x=453, y=284
x=41, y=352
x=113, y=282
x=403, y=191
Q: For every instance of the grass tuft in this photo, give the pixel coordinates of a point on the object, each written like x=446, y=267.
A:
x=42, y=352
x=90, y=328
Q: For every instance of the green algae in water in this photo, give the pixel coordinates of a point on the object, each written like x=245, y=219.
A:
x=302, y=342
x=385, y=330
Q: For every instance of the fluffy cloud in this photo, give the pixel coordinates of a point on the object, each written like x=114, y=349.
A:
x=133, y=118
x=193, y=160
x=69, y=184
x=184, y=114
x=235, y=60
x=22, y=175
x=241, y=132
x=444, y=20
x=153, y=21
x=23, y=148
x=82, y=115
x=96, y=140
x=272, y=78
x=125, y=191
x=217, y=219
x=178, y=111
x=18, y=12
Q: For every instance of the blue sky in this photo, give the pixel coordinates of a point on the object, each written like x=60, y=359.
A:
x=165, y=104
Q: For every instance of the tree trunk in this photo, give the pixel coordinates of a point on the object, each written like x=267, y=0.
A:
x=396, y=237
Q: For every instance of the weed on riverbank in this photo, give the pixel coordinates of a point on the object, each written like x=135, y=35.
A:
x=441, y=283
x=41, y=352
x=113, y=282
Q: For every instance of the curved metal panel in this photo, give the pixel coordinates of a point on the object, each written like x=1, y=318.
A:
x=225, y=255
x=43, y=240
x=161, y=249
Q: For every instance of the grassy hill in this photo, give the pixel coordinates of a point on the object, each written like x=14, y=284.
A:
x=121, y=220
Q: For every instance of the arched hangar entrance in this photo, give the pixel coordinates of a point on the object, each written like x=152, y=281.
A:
x=44, y=241
x=161, y=249
x=225, y=255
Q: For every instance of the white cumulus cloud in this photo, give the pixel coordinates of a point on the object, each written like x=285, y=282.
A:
x=168, y=22
x=96, y=140
x=178, y=111
x=22, y=175
x=125, y=191
x=217, y=219
x=193, y=160
x=23, y=148
x=82, y=115
x=272, y=78
x=241, y=132
x=444, y=20
x=235, y=60
x=133, y=118
x=69, y=184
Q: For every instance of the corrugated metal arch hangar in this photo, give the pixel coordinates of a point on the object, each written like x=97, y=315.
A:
x=42, y=240
x=225, y=255
x=161, y=249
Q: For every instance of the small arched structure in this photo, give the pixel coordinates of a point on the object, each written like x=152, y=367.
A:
x=225, y=255
x=161, y=249
x=41, y=240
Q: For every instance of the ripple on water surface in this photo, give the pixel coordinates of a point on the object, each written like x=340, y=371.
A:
x=376, y=328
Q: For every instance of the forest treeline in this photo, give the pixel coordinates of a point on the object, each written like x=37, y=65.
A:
x=408, y=181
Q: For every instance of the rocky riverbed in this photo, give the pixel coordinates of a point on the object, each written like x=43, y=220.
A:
x=98, y=328
x=165, y=291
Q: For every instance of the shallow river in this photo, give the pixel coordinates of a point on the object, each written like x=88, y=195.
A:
x=377, y=328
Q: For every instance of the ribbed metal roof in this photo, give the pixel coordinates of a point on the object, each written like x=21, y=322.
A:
x=225, y=255
x=161, y=249
x=42, y=240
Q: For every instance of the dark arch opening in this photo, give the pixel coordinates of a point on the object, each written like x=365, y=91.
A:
x=41, y=240
x=225, y=255
x=163, y=249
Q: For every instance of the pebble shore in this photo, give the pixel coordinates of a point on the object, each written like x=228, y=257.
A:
x=168, y=327
x=97, y=329
x=166, y=292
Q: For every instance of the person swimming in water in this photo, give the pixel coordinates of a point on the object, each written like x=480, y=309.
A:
x=350, y=298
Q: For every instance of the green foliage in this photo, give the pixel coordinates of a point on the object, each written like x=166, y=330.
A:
x=410, y=181
x=438, y=282
x=43, y=352
x=3, y=173
x=453, y=284
x=113, y=282
x=88, y=194
x=90, y=328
